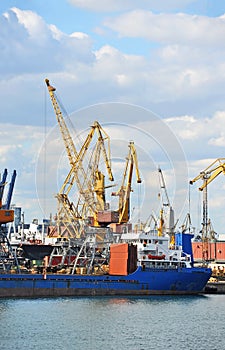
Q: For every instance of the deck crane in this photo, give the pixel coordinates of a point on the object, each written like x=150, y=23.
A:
x=208, y=175
x=163, y=186
x=125, y=188
x=6, y=216
x=166, y=222
x=91, y=193
x=2, y=185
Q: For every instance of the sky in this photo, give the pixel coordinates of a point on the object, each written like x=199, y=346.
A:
x=151, y=72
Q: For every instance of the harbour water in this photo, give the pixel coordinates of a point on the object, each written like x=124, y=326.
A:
x=112, y=323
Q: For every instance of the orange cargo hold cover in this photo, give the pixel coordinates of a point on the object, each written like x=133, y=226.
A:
x=118, y=267
x=119, y=248
x=118, y=259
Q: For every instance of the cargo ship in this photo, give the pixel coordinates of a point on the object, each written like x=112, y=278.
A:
x=139, y=264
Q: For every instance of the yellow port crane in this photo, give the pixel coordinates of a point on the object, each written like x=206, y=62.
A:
x=125, y=188
x=208, y=175
x=90, y=183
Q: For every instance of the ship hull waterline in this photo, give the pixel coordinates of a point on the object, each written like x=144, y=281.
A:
x=140, y=283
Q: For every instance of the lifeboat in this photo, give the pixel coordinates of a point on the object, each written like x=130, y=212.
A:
x=156, y=257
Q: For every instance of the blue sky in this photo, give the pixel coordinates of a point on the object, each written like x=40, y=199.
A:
x=107, y=58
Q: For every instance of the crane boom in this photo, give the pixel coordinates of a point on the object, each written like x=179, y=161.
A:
x=135, y=161
x=166, y=218
x=68, y=142
x=76, y=173
x=163, y=186
x=125, y=188
x=210, y=173
x=90, y=183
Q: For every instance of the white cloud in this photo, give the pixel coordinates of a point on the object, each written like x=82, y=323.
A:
x=124, y=69
x=179, y=28
x=219, y=141
x=168, y=75
x=34, y=25
x=123, y=5
x=30, y=45
x=193, y=129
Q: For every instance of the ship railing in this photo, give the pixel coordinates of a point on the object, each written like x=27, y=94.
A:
x=164, y=265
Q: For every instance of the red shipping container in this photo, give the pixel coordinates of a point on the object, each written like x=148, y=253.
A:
x=213, y=250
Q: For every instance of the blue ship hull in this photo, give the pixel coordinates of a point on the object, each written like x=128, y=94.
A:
x=141, y=282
